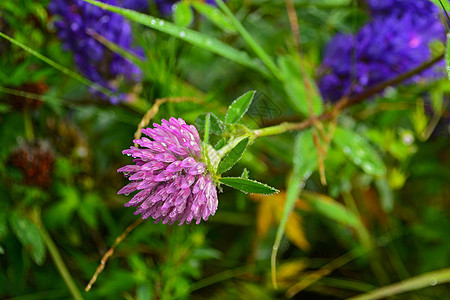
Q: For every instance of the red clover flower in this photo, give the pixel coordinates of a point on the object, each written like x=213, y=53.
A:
x=172, y=181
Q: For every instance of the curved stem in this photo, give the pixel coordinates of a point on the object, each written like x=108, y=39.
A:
x=411, y=284
x=282, y=128
x=56, y=256
x=28, y=123
x=259, y=51
x=110, y=252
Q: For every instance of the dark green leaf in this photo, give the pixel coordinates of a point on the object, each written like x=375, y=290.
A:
x=239, y=107
x=248, y=186
x=213, y=14
x=220, y=144
x=88, y=210
x=215, y=126
x=331, y=209
x=182, y=14
x=3, y=225
x=294, y=86
x=386, y=195
x=359, y=151
x=30, y=237
x=233, y=156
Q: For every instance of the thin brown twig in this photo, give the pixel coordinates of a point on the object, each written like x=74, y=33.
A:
x=110, y=252
x=292, y=15
x=350, y=101
x=319, y=134
x=321, y=153
x=346, y=102
x=151, y=113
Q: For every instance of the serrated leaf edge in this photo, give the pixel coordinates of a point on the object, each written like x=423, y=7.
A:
x=248, y=143
x=275, y=191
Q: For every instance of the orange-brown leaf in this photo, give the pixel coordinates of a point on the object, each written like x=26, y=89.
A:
x=295, y=232
x=264, y=218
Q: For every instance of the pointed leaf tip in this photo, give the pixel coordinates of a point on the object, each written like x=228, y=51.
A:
x=239, y=107
x=248, y=186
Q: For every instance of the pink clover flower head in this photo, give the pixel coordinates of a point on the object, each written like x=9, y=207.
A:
x=173, y=183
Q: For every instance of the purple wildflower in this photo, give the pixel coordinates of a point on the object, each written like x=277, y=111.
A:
x=138, y=5
x=173, y=183
x=384, y=48
x=422, y=8
x=78, y=27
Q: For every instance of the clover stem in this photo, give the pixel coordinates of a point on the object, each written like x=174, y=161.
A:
x=281, y=128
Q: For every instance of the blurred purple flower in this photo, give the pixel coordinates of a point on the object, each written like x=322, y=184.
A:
x=138, y=5
x=78, y=24
x=421, y=8
x=384, y=48
x=173, y=182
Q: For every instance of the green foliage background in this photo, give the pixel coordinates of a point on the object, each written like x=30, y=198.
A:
x=382, y=217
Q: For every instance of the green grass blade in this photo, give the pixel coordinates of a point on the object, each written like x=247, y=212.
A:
x=265, y=58
x=233, y=156
x=339, y=213
x=57, y=66
x=414, y=283
x=213, y=14
x=132, y=57
x=304, y=164
x=188, y=35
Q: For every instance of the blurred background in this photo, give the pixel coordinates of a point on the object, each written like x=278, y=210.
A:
x=76, y=81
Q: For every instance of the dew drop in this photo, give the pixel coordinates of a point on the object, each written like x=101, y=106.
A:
x=208, y=42
x=127, y=194
x=153, y=22
x=182, y=34
x=161, y=23
x=433, y=281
